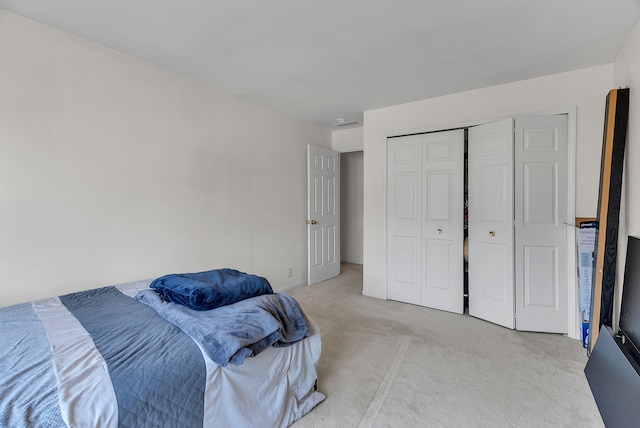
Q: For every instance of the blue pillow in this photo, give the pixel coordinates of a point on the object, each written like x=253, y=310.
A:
x=211, y=289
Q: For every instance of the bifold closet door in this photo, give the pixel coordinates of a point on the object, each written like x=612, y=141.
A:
x=425, y=229
x=517, y=216
x=491, y=264
x=404, y=214
x=540, y=161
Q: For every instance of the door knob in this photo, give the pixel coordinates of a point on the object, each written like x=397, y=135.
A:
x=311, y=222
x=439, y=231
x=492, y=233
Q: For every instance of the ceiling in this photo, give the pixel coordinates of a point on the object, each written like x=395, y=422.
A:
x=323, y=60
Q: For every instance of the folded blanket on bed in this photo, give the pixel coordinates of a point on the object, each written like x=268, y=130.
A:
x=231, y=333
x=211, y=289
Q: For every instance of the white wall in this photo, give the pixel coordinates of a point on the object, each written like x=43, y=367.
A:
x=584, y=89
x=115, y=170
x=627, y=74
x=348, y=140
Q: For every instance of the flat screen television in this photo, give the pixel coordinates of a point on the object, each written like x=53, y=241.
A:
x=613, y=368
x=629, y=325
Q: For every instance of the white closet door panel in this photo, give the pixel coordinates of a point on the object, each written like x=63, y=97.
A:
x=491, y=275
x=540, y=199
x=443, y=220
x=405, y=250
x=439, y=199
x=405, y=274
x=492, y=283
x=540, y=285
x=404, y=208
x=540, y=217
x=493, y=183
x=438, y=275
x=406, y=199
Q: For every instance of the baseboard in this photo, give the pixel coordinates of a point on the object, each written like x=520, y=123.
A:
x=294, y=285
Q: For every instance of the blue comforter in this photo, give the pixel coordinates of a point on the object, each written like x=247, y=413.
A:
x=231, y=333
x=158, y=379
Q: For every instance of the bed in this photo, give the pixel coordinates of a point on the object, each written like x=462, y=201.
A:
x=106, y=357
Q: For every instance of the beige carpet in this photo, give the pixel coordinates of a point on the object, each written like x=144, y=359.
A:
x=389, y=364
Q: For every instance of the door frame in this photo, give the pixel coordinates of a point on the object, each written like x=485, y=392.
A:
x=573, y=326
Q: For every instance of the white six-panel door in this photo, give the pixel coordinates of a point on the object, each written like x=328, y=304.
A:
x=491, y=274
x=323, y=210
x=443, y=220
x=425, y=232
x=404, y=213
x=540, y=223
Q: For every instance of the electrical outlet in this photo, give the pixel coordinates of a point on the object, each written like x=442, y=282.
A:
x=290, y=272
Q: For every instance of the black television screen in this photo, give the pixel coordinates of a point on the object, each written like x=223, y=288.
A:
x=630, y=309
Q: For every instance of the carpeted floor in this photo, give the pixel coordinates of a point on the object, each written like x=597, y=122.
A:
x=389, y=364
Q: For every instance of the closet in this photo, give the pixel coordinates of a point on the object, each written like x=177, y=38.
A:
x=517, y=204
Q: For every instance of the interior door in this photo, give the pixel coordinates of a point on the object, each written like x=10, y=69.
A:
x=323, y=211
x=491, y=235
x=425, y=230
x=540, y=216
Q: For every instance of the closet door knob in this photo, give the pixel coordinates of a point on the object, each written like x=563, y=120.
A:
x=439, y=231
x=311, y=222
x=492, y=233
